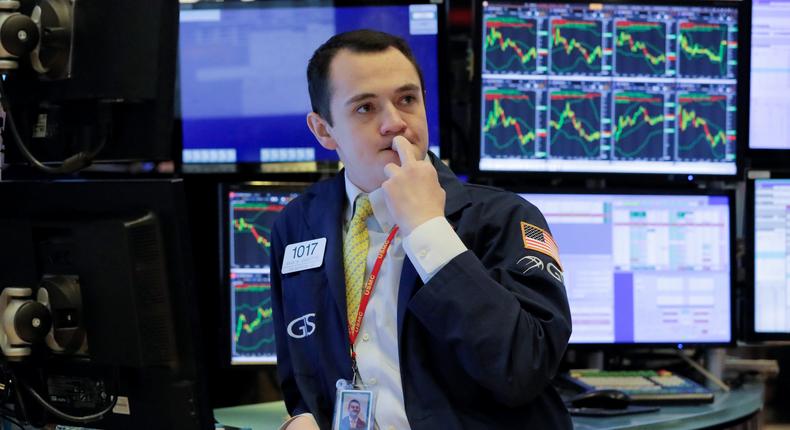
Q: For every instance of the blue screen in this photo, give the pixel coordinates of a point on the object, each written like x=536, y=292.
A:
x=610, y=88
x=643, y=269
x=243, y=84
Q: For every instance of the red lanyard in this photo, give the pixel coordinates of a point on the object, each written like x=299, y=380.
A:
x=353, y=330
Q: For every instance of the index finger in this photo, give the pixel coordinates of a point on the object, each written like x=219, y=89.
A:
x=405, y=150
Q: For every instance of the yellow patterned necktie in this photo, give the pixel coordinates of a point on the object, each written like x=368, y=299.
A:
x=355, y=255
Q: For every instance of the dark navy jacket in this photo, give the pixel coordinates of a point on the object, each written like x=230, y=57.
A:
x=479, y=343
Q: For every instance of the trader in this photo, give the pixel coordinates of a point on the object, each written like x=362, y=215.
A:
x=444, y=300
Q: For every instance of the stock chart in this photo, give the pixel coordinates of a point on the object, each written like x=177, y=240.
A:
x=252, y=223
x=252, y=214
x=609, y=87
x=511, y=45
x=576, y=46
x=703, y=49
x=253, y=334
x=510, y=126
x=640, y=48
x=702, y=123
x=575, y=124
x=638, y=129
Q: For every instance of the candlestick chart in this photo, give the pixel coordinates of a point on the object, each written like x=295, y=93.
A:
x=511, y=45
x=638, y=129
x=575, y=124
x=510, y=125
x=640, y=48
x=703, y=49
x=252, y=223
x=576, y=46
x=702, y=127
x=253, y=332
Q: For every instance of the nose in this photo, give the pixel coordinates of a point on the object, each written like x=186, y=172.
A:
x=392, y=121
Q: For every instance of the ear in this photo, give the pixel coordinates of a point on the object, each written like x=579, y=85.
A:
x=320, y=129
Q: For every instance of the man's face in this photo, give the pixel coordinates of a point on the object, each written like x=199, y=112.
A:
x=374, y=97
x=353, y=409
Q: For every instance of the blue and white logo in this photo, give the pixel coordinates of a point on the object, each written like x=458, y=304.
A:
x=302, y=326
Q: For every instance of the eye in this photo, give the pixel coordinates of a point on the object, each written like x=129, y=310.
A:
x=408, y=99
x=365, y=108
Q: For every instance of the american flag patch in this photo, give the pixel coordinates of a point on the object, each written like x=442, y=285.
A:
x=537, y=239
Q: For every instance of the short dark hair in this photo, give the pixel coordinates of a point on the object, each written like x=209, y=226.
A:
x=358, y=41
x=354, y=401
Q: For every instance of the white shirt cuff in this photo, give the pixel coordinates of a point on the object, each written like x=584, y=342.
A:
x=307, y=415
x=432, y=245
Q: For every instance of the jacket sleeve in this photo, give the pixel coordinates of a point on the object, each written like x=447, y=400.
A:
x=293, y=398
x=505, y=317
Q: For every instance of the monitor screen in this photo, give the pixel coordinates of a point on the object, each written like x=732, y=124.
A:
x=614, y=88
x=243, y=85
x=771, y=244
x=651, y=269
x=769, y=111
x=251, y=213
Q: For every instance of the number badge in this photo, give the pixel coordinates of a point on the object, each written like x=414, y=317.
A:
x=303, y=255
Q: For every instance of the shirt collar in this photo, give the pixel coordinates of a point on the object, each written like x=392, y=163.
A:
x=380, y=211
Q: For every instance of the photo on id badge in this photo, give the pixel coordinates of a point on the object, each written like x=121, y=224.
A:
x=354, y=410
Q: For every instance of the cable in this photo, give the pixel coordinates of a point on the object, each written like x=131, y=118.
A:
x=711, y=377
x=72, y=164
x=62, y=415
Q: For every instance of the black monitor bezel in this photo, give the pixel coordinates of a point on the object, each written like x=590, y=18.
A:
x=647, y=178
x=321, y=166
x=226, y=325
x=630, y=191
x=749, y=332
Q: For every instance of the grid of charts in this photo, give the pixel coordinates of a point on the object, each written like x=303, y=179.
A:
x=609, y=88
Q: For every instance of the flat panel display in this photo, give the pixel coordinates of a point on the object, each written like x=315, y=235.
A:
x=769, y=110
x=771, y=244
x=242, y=74
x=609, y=88
x=644, y=268
x=251, y=211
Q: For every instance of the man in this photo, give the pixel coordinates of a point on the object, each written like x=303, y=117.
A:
x=352, y=420
x=467, y=320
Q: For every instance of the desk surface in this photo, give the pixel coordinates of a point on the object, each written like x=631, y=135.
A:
x=727, y=407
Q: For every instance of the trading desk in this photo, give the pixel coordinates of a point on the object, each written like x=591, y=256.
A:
x=729, y=409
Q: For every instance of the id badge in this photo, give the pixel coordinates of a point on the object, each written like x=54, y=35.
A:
x=354, y=407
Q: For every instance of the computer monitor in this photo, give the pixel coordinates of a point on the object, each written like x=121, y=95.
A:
x=109, y=264
x=645, y=268
x=248, y=214
x=243, y=85
x=613, y=87
x=769, y=110
x=768, y=258
x=114, y=100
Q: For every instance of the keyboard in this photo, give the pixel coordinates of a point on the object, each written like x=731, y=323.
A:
x=643, y=386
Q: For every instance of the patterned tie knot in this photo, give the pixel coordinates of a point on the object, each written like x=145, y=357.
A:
x=363, y=209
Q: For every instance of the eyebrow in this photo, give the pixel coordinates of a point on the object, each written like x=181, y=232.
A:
x=402, y=89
